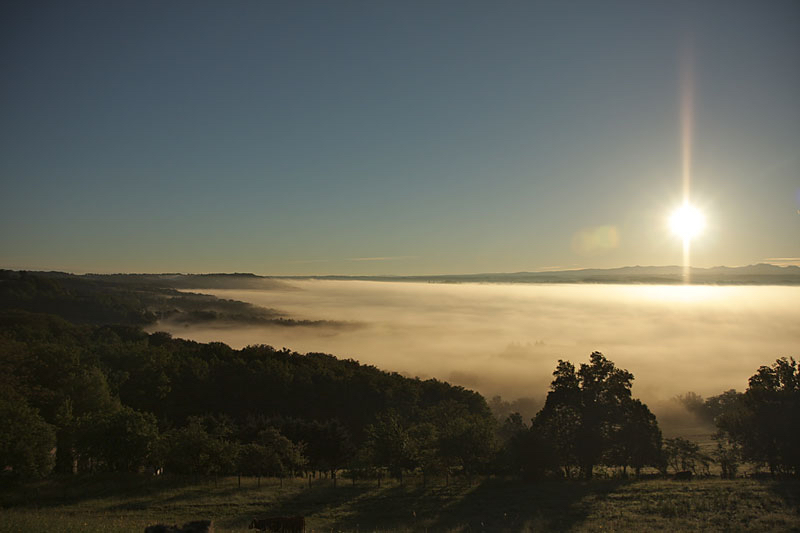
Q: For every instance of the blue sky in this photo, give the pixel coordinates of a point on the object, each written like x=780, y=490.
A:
x=393, y=137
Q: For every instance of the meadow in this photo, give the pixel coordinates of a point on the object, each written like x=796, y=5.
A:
x=122, y=503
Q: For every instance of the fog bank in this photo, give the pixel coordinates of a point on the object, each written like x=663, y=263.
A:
x=506, y=339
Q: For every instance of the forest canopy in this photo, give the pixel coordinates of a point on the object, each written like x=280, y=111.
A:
x=141, y=299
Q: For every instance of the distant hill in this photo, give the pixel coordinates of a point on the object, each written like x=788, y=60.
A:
x=161, y=285
x=761, y=274
x=194, y=281
x=143, y=299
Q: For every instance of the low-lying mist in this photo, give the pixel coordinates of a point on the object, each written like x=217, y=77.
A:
x=506, y=339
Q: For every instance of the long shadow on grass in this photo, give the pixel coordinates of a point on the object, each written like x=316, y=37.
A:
x=67, y=490
x=135, y=490
x=197, y=496
x=513, y=506
x=788, y=489
x=366, y=507
x=313, y=502
x=492, y=505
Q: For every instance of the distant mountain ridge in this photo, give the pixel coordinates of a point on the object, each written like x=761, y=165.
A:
x=760, y=274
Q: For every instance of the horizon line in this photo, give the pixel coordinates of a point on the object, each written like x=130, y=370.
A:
x=485, y=273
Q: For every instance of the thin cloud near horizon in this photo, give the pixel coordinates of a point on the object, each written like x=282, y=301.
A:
x=384, y=258
x=378, y=258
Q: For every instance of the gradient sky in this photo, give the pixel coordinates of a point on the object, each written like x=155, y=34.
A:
x=393, y=137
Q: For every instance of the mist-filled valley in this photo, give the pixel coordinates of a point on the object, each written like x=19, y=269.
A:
x=399, y=267
x=506, y=339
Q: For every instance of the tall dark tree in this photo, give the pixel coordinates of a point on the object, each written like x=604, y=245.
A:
x=193, y=449
x=514, y=443
x=588, y=411
x=465, y=438
x=765, y=421
x=327, y=445
x=271, y=454
x=118, y=441
x=555, y=433
x=287, y=457
x=467, y=442
x=25, y=438
x=637, y=441
x=428, y=456
x=391, y=445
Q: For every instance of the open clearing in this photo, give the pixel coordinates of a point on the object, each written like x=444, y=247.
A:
x=129, y=503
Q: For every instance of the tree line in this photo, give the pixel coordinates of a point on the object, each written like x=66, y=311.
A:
x=117, y=398
x=137, y=300
x=97, y=397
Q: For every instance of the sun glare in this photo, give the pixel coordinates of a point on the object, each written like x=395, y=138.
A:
x=687, y=222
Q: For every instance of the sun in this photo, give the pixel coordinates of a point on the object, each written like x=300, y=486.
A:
x=687, y=222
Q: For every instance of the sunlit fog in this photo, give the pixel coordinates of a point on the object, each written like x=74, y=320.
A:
x=506, y=339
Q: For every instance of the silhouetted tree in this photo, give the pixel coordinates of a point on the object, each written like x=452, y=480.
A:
x=117, y=441
x=555, y=432
x=721, y=403
x=467, y=442
x=257, y=460
x=637, y=440
x=193, y=450
x=391, y=445
x=327, y=445
x=727, y=454
x=682, y=454
x=25, y=438
x=465, y=437
x=426, y=444
x=709, y=409
x=765, y=421
x=288, y=457
x=271, y=454
x=589, y=413
x=513, y=441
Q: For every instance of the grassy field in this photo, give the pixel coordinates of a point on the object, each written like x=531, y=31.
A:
x=129, y=503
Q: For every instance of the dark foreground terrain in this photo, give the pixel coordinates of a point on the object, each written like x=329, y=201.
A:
x=122, y=503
